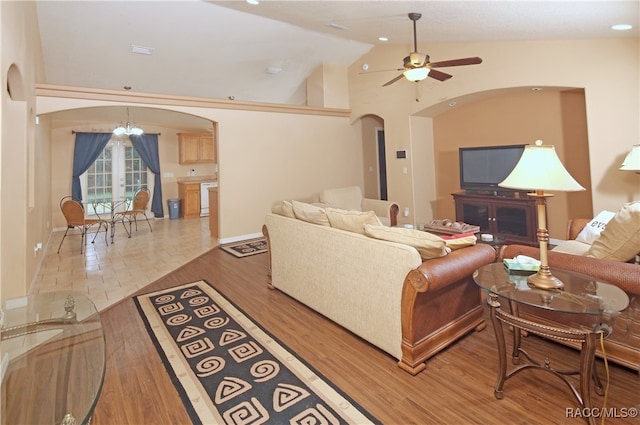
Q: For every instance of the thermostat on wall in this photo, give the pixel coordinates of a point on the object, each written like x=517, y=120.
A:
x=401, y=154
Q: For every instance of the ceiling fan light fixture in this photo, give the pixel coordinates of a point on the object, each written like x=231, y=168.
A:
x=416, y=74
x=417, y=58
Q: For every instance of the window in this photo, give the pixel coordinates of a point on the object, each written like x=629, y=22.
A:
x=116, y=174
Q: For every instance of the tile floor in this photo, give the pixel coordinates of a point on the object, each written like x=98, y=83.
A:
x=110, y=273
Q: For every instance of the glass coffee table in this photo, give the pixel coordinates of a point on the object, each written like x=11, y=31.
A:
x=53, y=349
x=595, y=300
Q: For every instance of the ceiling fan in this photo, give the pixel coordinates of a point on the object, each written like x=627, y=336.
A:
x=417, y=66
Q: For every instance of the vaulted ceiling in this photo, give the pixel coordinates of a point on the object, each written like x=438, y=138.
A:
x=265, y=52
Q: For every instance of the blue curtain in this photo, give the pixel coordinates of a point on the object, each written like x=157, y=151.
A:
x=87, y=149
x=147, y=147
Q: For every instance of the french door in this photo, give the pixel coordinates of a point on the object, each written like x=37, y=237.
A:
x=115, y=175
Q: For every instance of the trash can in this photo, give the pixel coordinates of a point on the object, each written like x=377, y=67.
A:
x=174, y=208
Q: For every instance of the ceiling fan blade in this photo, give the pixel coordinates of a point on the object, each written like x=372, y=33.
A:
x=457, y=62
x=381, y=70
x=439, y=75
x=393, y=81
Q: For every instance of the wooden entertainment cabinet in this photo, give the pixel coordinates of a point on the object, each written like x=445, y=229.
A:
x=509, y=216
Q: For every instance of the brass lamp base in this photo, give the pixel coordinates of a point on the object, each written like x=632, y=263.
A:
x=544, y=280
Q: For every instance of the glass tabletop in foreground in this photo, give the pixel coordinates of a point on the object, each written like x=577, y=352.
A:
x=581, y=293
x=55, y=347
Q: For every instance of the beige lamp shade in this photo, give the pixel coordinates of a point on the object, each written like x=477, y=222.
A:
x=539, y=168
x=632, y=161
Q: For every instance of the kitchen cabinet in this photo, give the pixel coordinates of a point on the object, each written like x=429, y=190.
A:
x=196, y=148
x=509, y=217
x=189, y=193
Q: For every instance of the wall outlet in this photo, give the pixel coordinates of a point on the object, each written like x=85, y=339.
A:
x=405, y=213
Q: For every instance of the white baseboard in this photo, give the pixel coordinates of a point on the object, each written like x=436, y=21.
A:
x=240, y=238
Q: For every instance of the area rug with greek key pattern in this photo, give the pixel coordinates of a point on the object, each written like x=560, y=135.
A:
x=229, y=370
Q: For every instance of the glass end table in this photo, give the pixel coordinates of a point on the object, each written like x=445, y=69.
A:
x=53, y=349
x=581, y=295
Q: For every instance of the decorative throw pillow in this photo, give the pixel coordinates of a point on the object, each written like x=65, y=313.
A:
x=284, y=208
x=461, y=240
x=352, y=221
x=428, y=245
x=309, y=213
x=592, y=230
x=620, y=240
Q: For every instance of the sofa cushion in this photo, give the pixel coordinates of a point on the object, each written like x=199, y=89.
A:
x=352, y=221
x=592, y=230
x=284, y=208
x=346, y=198
x=428, y=245
x=574, y=247
x=310, y=213
x=620, y=239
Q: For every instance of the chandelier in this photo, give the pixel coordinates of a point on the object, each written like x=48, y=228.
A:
x=128, y=129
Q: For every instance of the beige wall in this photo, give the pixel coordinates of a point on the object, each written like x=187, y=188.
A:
x=612, y=103
x=24, y=152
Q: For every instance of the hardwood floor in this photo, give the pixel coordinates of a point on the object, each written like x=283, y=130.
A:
x=455, y=388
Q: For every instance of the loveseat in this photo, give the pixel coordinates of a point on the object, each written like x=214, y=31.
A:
x=615, y=246
x=380, y=290
x=351, y=198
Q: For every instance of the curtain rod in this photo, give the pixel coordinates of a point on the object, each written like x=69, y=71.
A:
x=100, y=131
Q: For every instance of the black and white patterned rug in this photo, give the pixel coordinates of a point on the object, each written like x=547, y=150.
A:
x=246, y=248
x=228, y=370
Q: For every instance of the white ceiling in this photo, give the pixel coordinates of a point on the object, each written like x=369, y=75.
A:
x=222, y=49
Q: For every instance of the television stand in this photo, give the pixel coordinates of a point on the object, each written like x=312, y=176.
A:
x=501, y=193
x=511, y=218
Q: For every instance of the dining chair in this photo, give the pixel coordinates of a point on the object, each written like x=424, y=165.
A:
x=138, y=206
x=74, y=213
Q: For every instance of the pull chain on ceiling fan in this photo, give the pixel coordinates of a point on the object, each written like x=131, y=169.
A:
x=416, y=66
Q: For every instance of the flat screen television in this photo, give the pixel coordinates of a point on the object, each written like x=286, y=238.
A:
x=482, y=168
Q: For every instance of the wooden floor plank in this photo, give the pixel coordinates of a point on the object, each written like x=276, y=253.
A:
x=455, y=388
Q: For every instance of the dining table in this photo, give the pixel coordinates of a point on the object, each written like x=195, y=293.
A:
x=110, y=210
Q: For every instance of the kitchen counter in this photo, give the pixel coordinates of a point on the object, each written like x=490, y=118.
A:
x=197, y=179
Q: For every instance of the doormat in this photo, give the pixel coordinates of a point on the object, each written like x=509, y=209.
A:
x=228, y=370
x=246, y=248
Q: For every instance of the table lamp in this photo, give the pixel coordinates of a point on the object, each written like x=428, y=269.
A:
x=632, y=161
x=540, y=169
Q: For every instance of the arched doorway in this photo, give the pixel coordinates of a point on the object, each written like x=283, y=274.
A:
x=374, y=157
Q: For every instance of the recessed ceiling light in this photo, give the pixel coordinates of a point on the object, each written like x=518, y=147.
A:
x=536, y=89
x=142, y=50
x=254, y=2
x=452, y=104
x=273, y=70
x=621, y=27
x=383, y=39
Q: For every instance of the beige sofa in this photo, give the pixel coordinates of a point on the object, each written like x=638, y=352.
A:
x=380, y=290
